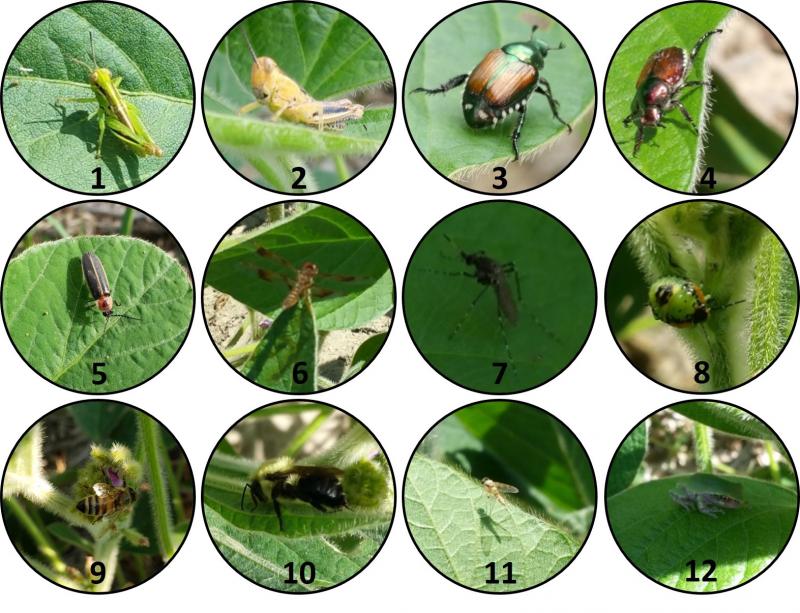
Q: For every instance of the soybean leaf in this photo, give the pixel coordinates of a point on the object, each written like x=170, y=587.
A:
x=659, y=537
x=671, y=156
x=330, y=56
x=365, y=353
x=740, y=144
x=286, y=358
x=455, y=47
x=335, y=242
x=251, y=541
x=726, y=418
x=56, y=329
x=627, y=460
x=58, y=139
x=460, y=529
x=455, y=321
x=105, y=423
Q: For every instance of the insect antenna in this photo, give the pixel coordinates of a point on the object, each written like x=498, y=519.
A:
x=124, y=316
x=91, y=46
x=249, y=44
x=725, y=306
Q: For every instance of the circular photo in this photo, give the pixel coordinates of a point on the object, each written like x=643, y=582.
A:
x=97, y=496
x=701, y=496
x=298, y=297
x=97, y=297
x=700, y=97
x=701, y=296
x=97, y=97
x=298, y=497
x=499, y=297
x=298, y=97
x=499, y=496
x=499, y=97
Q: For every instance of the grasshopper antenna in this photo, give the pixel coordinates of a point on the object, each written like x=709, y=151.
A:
x=91, y=45
x=249, y=44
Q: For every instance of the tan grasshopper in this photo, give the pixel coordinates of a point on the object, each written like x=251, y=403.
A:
x=114, y=112
x=283, y=96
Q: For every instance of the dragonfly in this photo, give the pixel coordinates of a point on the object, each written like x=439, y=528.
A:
x=302, y=281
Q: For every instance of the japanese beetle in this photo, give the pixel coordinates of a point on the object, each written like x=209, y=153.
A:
x=681, y=302
x=501, y=84
x=661, y=81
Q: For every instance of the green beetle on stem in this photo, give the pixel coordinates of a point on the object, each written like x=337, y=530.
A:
x=502, y=83
x=681, y=302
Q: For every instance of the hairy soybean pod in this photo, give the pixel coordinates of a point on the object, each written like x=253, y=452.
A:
x=96, y=279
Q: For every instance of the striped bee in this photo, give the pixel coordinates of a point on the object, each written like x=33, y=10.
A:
x=106, y=500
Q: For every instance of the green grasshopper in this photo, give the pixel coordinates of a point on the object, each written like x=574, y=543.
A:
x=114, y=112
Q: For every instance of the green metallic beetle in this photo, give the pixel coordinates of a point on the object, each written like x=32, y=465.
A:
x=502, y=83
x=678, y=302
x=707, y=494
x=681, y=302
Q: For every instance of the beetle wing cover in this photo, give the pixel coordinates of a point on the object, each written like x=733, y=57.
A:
x=503, y=80
x=668, y=65
x=95, y=275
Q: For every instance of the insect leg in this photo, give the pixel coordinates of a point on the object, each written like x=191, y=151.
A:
x=101, y=122
x=639, y=139
x=444, y=87
x=468, y=312
x=700, y=42
x=518, y=131
x=277, y=490
x=249, y=108
x=544, y=89
x=241, y=503
x=685, y=113
x=502, y=323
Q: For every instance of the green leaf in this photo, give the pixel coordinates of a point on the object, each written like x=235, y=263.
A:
x=365, y=353
x=459, y=529
x=670, y=156
x=627, y=460
x=739, y=145
x=251, y=541
x=69, y=535
x=330, y=56
x=58, y=139
x=105, y=422
x=286, y=358
x=461, y=334
x=456, y=46
x=659, y=537
x=726, y=418
x=61, y=335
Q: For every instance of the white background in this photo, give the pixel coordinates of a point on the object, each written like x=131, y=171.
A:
x=600, y=397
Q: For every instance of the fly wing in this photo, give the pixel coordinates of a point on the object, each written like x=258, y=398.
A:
x=505, y=488
x=505, y=299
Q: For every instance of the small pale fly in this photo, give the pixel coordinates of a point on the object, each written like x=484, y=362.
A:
x=497, y=489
